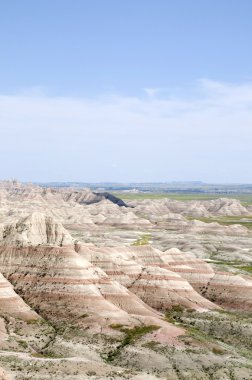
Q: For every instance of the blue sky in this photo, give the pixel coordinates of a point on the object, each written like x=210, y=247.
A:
x=137, y=90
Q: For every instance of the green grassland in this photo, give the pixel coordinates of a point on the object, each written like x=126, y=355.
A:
x=245, y=199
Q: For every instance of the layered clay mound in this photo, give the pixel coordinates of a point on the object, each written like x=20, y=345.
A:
x=63, y=286
x=232, y=292
x=226, y=207
x=225, y=289
x=11, y=305
x=83, y=196
x=14, y=189
x=107, y=213
x=158, y=287
x=87, y=197
x=81, y=207
x=35, y=229
x=199, y=227
x=215, y=207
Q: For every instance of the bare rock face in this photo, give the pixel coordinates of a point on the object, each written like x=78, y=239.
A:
x=36, y=229
x=215, y=207
x=158, y=287
x=222, y=288
x=87, y=197
x=12, y=305
x=230, y=291
x=61, y=285
x=198, y=227
x=67, y=206
x=164, y=279
x=65, y=287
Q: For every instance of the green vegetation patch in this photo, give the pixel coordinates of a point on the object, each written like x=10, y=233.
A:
x=23, y=343
x=35, y=321
x=227, y=220
x=135, y=333
x=173, y=315
x=152, y=345
x=143, y=240
x=235, y=264
x=218, y=350
x=221, y=331
x=245, y=199
x=177, y=315
x=130, y=336
x=247, y=268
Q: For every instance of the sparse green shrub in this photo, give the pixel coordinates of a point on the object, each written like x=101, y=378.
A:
x=143, y=240
x=23, y=343
x=33, y=321
x=131, y=335
x=174, y=313
x=218, y=350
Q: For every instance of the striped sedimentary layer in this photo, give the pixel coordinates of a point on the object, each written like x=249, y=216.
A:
x=159, y=287
x=223, y=288
x=163, y=279
x=11, y=304
x=95, y=287
x=63, y=286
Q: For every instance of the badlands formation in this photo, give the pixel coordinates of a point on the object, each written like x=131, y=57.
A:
x=94, y=287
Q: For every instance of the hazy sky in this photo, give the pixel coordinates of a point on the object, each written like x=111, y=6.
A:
x=126, y=90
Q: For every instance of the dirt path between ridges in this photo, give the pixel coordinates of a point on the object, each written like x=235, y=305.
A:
x=27, y=356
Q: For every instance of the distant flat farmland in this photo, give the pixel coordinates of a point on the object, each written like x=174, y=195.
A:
x=245, y=199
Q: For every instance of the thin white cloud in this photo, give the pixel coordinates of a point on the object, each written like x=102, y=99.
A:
x=205, y=134
x=152, y=91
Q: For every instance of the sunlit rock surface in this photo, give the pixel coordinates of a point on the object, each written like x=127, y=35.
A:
x=95, y=287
